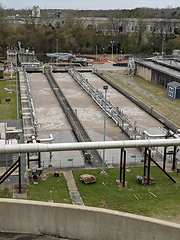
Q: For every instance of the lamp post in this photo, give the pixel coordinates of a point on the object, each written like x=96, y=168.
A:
x=96, y=54
x=57, y=50
x=8, y=101
x=104, y=137
x=112, y=49
x=163, y=46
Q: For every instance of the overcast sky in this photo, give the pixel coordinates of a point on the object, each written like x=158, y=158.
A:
x=90, y=4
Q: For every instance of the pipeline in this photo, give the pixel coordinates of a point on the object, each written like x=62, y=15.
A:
x=34, y=140
x=53, y=147
x=174, y=135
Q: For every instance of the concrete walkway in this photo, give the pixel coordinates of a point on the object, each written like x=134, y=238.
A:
x=75, y=196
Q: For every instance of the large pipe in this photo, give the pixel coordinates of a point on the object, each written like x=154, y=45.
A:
x=40, y=147
x=50, y=139
x=174, y=135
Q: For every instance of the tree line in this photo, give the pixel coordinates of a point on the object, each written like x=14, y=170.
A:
x=75, y=38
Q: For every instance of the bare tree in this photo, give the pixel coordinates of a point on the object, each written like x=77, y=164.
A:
x=142, y=27
x=118, y=22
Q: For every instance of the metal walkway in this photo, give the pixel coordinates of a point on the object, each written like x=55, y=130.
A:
x=27, y=107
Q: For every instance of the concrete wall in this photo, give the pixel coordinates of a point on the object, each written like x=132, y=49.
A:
x=143, y=72
x=162, y=79
x=155, y=76
x=79, y=222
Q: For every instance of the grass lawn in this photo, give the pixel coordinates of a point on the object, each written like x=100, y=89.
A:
x=11, y=109
x=41, y=191
x=6, y=191
x=105, y=193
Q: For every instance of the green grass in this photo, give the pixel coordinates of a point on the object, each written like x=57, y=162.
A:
x=105, y=193
x=11, y=109
x=5, y=192
x=41, y=191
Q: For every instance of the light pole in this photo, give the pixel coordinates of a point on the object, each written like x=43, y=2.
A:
x=104, y=137
x=163, y=46
x=112, y=49
x=8, y=101
x=57, y=50
x=96, y=54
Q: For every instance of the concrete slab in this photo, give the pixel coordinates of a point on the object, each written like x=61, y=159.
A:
x=73, y=191
x=70, y=181
x=23, y=193
x=76, y=198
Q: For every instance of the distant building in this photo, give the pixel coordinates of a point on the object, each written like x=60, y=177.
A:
x=20, y=55
x=176, y=52
x=36, y=11
x=103, y=24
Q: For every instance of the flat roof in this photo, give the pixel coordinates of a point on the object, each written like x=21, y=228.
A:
x=163, y=69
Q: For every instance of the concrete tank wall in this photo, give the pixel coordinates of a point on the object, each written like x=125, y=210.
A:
x=162, y=79
x=79, y=222
x=143, y=72
x=155, y=76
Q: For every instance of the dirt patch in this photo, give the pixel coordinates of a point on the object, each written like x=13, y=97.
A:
x=103, y=204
